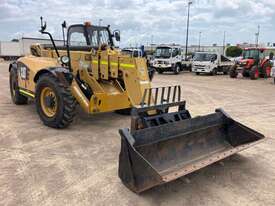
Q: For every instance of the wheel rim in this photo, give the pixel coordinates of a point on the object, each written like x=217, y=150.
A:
x=48, y=102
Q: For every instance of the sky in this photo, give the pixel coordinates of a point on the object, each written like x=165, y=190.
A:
x=145, y=21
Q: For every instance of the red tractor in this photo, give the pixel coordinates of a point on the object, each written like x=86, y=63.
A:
x=253, y=64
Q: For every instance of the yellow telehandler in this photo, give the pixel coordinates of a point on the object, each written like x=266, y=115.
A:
x=164, y=142
x=88, y=70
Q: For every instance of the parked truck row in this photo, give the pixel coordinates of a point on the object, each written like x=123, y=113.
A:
x=172, y=59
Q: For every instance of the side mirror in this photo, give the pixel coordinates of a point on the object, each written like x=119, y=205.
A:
x=43, y=25
x=116, y=34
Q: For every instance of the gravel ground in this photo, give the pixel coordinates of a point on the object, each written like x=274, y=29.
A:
x=78, y=166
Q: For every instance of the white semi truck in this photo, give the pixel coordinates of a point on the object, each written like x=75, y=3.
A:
x=210, y=63
x=168, y=59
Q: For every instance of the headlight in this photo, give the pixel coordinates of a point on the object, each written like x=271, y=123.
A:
x=64, y=59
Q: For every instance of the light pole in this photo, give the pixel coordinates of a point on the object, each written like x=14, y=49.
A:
x=100, y=21
x=187, y=30
x=224, y=42
x=200, y=41
x=152, y=41
x=257, y=36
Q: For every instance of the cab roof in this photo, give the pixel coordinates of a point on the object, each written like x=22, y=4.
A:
x=255, y=48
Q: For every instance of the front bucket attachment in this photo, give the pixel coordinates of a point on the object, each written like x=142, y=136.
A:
x=164, y=147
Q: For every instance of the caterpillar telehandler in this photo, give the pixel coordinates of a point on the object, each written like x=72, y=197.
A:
x=88, y=70
x=163, y=144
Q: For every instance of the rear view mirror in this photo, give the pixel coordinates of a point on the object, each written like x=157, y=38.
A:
x=116, y=34
x=43, y=25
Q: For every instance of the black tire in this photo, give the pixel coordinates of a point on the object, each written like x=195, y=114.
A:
x=176, y=69
x=151, y=73
x=245, y=73
x=214, y=72
x=197, y=73
x=66, y=103
x=124, y=112
x=232, y=72
x=159, y=71
x=254, y=73
x=16, y=97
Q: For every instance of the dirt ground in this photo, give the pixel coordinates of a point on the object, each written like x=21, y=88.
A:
x=78, y=166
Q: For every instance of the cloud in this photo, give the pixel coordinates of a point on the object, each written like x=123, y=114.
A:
x=164, y=21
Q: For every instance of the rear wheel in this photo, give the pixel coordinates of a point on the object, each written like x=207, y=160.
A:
x=54, y=102
x=177, y=69
x=16, y=97
x=233, y=72
x=254, y=73
x=226, y=70
x=197, y=73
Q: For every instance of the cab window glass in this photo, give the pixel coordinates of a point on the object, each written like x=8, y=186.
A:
x=78, y=39
x=94, y=38
x=175, y=52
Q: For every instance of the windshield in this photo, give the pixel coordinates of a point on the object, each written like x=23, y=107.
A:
x=164, y=52
x=93, y=36
x=201, y=57
x=98, y=37
x=252, y=54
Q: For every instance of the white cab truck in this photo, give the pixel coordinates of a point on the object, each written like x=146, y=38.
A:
x=168, y=59
x=133, y=52
x=210, y=63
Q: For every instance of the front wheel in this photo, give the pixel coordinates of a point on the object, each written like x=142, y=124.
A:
x=254, y=73
x=159, y=71
x=54, y=102
x=214, y=72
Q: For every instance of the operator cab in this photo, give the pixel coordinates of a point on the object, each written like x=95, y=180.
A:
x=89, y=36
x=85, y=37
x=205, y=57
x=253, y=53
